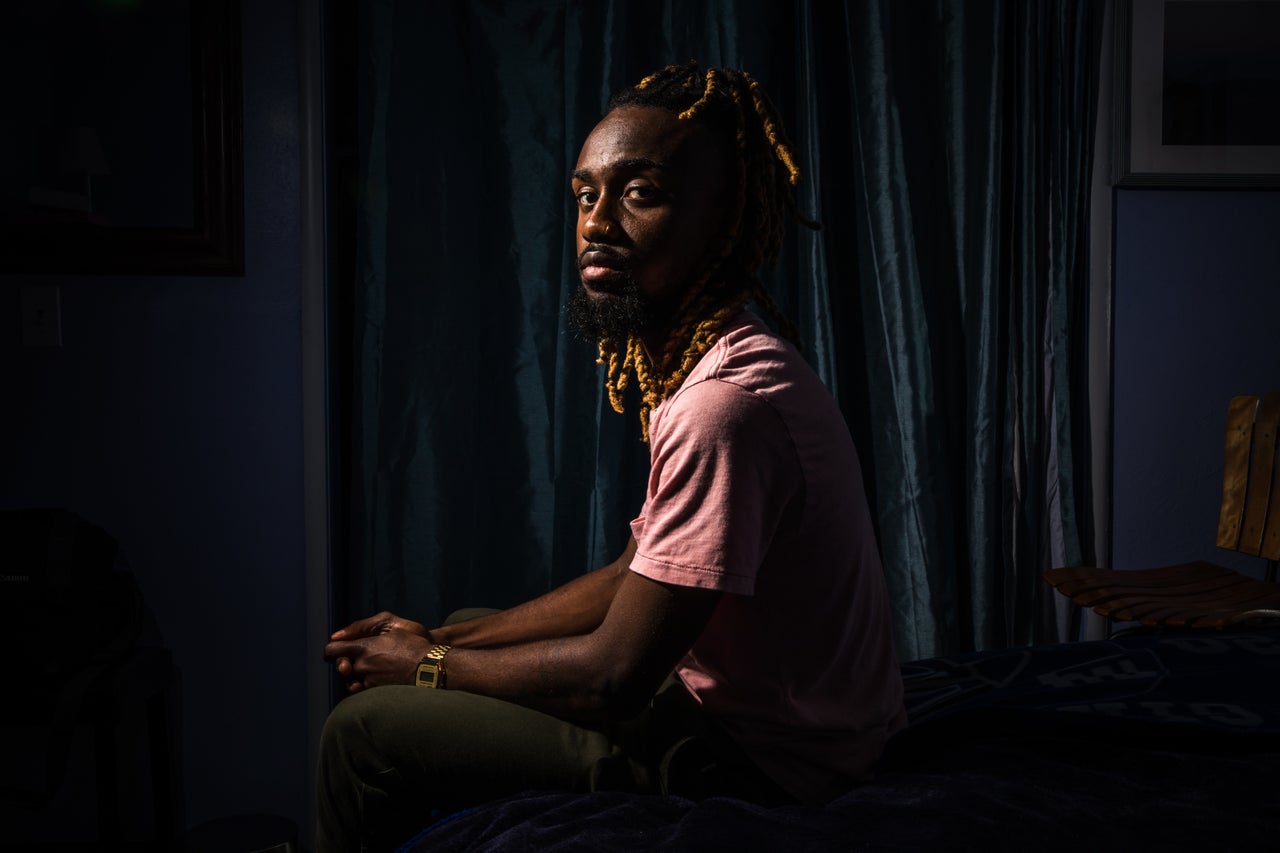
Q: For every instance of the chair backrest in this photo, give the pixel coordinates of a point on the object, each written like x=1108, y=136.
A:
x=1250, y=517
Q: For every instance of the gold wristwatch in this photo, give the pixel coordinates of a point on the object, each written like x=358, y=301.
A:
x=431, y=668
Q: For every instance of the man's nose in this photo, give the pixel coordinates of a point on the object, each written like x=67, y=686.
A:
x=600, y=225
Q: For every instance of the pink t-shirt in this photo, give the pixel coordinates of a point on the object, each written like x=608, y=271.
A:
x=755, y=489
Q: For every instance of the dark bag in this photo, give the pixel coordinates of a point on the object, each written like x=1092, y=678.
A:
x=74, y=613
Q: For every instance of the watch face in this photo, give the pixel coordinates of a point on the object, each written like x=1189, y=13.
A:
x=428, y=674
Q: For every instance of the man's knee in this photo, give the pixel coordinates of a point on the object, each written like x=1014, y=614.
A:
x=360, y=728
x=350, y=772
x=467, y=613
x=346, y=731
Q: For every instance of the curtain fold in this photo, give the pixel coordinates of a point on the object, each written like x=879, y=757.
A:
x=946, y=148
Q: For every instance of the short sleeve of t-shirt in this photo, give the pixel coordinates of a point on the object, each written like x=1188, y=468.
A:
x=723, y=472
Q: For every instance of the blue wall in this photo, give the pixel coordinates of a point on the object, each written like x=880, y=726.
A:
x=171, y=416
x=1197, y=320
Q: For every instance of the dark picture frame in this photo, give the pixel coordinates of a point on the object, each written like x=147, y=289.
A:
x=207, y=239
x=1184, y=118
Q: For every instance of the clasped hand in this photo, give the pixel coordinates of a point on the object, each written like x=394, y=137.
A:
x=381, y=649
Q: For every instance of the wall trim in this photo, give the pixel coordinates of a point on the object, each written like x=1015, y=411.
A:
x=317, y=548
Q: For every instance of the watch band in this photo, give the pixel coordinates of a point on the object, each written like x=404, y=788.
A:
x=431, y=668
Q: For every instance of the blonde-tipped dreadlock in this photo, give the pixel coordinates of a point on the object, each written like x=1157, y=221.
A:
x=733, y=104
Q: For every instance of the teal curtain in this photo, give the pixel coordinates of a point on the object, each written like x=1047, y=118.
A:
x=947, y=149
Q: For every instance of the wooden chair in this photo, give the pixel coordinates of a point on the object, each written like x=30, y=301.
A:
x=1200, y=595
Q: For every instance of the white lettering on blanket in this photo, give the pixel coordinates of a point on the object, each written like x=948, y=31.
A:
x=1220, y=713
x=1118, y=669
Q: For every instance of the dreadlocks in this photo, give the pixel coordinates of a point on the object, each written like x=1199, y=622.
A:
x=763, y=175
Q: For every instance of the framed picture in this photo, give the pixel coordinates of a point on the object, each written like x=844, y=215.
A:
x=120, y=144
x=1198, y=94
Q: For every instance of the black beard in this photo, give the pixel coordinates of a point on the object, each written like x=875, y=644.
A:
x=620, y=314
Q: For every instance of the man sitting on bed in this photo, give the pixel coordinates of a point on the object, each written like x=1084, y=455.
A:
x=741, y=644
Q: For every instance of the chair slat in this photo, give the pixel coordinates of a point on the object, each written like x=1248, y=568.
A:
x=1260, y=475
x=1241, y=412
x=1271, y=536
x=1232, y=618
x=1189, y=612
x=1072, y=580
x=1158, y=575
x=1178, y=615
x=1117, y=594
x=1120, y=597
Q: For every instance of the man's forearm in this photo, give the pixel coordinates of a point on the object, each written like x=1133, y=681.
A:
x=577, y=607
x=611, y=670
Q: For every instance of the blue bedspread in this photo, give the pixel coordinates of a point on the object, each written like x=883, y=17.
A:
x=1143, y=743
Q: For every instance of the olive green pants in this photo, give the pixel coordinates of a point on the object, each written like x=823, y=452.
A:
x=391, y=756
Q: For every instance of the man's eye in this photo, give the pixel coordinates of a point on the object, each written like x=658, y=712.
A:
x=586, y=198
x=642, y=193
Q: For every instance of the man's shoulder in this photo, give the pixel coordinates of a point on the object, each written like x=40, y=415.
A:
x=747, y=333
x=750, y=355
x=750, y=378
x=717, y=400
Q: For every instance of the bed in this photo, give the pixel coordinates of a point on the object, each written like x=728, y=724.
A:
x=1139, y=743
